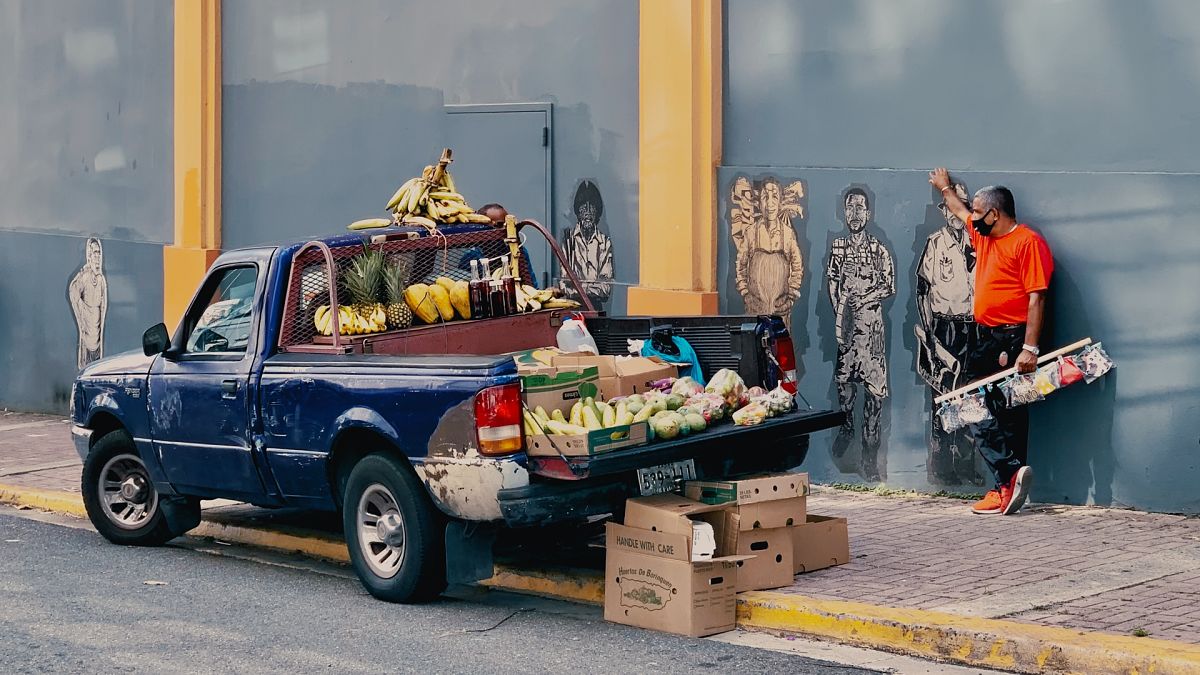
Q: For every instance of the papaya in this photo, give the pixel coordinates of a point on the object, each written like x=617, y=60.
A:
x=441, y=300
x=460, y=297
x=419, y=299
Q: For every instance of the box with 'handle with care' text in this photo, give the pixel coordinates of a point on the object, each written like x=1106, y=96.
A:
x=665, y=569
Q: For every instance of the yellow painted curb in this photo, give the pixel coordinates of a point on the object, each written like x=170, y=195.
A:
x=46, y=500
x=993, y=643
x=329, y=548
x=577, y=585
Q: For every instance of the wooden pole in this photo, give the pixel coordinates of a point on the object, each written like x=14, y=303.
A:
x=1011, y=371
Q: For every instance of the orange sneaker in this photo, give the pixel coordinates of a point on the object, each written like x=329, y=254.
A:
x=991, y=503
x=1016, y=492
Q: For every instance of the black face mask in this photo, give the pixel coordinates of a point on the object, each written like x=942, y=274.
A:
x=982, y=227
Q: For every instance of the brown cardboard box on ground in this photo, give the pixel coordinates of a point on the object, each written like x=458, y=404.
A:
x=771, y=566
x=822, y=541
x=762, y=501
x=650, y=580
x=620, y=375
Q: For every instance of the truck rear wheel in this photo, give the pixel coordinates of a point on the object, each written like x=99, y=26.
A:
x=395, y=535
x=120, y=498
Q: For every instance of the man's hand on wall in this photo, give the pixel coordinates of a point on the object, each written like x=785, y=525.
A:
x=939, y=178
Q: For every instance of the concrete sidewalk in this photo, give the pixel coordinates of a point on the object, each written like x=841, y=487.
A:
x=1053, y=589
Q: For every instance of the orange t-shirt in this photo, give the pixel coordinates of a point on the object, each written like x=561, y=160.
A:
x=1007, y=270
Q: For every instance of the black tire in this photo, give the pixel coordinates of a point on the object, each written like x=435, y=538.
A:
x=382, y=488
x=116, y=455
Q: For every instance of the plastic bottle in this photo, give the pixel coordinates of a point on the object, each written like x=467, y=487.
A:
x=573, y=336
x=478, y=290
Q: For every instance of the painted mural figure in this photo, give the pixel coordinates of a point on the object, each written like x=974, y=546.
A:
x=587, y=249
x=945, y=293
x=769, y=268
x=88, y=295
x=861, y=276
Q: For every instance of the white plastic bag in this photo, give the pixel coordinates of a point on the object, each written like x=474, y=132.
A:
x=573, y=336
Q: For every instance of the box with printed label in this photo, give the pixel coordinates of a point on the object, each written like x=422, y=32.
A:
x=771, y=566
x=651, y=579
x=822, y=541
x=592, y=443
x=748, y=490
x=763, y=501
x=558, y=388
x=621, y=375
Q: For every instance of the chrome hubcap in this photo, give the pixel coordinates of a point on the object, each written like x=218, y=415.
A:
x=126, y=494
x=381, y=531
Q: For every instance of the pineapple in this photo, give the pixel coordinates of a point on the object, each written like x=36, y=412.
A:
x=363, y=282
x=395, y=280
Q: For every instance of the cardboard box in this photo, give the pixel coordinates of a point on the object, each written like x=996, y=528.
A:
x=822, y=541
x=748, y=490
x=532, y=360
x=620, y=375
x=558, y=388
x=764, y=501
x=586, y=445
x=772, y=564
x=650, y=579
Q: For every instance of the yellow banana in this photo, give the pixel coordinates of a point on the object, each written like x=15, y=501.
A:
x=400, y=194
x=447, y=195
x=448, y=181
x=368, y=223
x=434, y=212
x=411, y=219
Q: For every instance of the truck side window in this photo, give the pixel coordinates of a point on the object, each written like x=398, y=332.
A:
x=223, y=324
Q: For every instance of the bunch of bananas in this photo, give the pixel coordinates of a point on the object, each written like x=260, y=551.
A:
x=372, y=319
x=530, y=299
x=431, y=198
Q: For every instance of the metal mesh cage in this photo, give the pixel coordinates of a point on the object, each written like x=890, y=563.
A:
x=425, y=256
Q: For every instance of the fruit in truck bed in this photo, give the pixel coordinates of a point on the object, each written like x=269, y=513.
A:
x=420, y=301
x=460, y=298
x=395, y=279
x=441, y=300
x=364, y=282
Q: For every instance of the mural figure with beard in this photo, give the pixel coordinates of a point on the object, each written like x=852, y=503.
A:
x=861, y=275
x=945, y=296
x=87, y=293
x=588, y=250
x=769, y=268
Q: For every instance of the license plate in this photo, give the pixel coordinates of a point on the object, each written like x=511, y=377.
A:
x=662, y=478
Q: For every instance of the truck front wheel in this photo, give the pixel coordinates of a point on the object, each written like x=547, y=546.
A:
x=121, y=500
x=395, y=535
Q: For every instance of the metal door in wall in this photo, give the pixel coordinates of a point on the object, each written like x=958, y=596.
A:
x=502, y=155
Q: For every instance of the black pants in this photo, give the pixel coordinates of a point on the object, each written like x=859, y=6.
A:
x=1003, y=441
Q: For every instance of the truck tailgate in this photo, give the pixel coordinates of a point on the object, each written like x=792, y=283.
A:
x=725, y=439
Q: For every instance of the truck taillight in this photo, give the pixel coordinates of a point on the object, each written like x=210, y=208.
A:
x=785, y=355
x=498, y=420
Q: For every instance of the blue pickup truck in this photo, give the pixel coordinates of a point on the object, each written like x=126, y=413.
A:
x=410, y=434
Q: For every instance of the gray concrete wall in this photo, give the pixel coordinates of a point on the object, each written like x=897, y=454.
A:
x=85, y=151
x=329, y=106
x=1085, y=110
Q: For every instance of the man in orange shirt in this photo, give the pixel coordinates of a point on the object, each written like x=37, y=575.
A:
x=1012, y=274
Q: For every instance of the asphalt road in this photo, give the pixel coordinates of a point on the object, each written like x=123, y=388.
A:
x=71, y=602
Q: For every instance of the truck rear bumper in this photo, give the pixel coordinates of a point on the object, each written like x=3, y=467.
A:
x=545, y=501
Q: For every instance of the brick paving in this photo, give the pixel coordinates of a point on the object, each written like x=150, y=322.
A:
x=1084, y=568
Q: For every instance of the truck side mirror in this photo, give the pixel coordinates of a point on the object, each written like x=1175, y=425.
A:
x=155, y=340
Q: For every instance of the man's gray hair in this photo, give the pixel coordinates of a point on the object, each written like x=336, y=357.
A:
x=997, y=197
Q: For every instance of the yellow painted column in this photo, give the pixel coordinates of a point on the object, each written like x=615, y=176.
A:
x=197, y=154
x=679, y=148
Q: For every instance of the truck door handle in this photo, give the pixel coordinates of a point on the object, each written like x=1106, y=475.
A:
x=229, y=388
